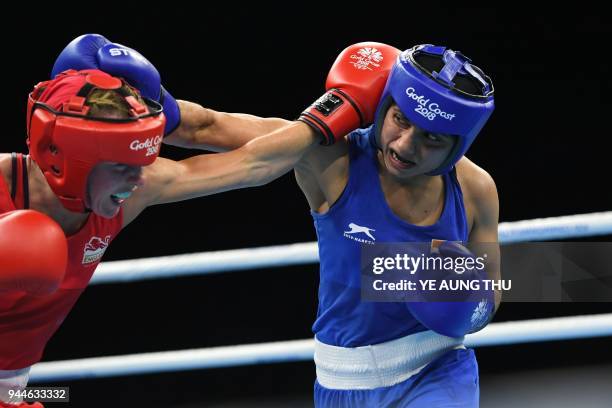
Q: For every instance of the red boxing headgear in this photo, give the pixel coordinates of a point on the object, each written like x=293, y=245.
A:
x=66, y=144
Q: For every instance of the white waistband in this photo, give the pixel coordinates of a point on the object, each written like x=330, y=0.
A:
x=379, y=365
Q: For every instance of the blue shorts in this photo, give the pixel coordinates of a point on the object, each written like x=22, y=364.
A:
x=449, y=381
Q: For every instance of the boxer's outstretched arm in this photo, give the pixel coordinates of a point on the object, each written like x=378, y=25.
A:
x=257, y=162
x=206, y=129
x=321, y=173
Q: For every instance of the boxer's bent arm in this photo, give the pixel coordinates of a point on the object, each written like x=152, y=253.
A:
x=206, y=129
x=485, y=201
x=256, y=163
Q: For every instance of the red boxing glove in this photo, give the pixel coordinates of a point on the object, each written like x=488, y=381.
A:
x=33, y=253
x=354, y=86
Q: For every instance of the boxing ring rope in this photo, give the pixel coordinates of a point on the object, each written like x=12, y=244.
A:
x=504, y=333
x=536, y=330
x=540, y=229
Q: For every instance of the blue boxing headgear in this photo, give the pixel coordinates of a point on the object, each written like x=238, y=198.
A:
x=440, y=91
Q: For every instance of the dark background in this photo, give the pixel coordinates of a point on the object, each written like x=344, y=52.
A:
x=546, y=146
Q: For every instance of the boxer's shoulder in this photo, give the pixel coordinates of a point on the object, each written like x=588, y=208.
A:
x=474, y=180
x=478, y=188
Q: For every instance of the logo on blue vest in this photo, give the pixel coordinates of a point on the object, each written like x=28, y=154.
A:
x=358, y=229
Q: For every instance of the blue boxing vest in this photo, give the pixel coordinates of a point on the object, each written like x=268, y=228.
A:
x=342, y=318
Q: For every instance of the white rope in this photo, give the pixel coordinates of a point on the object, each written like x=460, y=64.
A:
x=206, y=262
x=307, y=252
x=546, y=229
x=180, y=360
x=561, y=328
x=536, y=330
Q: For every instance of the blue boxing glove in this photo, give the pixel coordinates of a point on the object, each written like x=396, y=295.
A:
x=469, y=311
x=93, y=51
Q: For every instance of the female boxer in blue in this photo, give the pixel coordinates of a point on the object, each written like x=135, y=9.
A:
x=406, y=180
